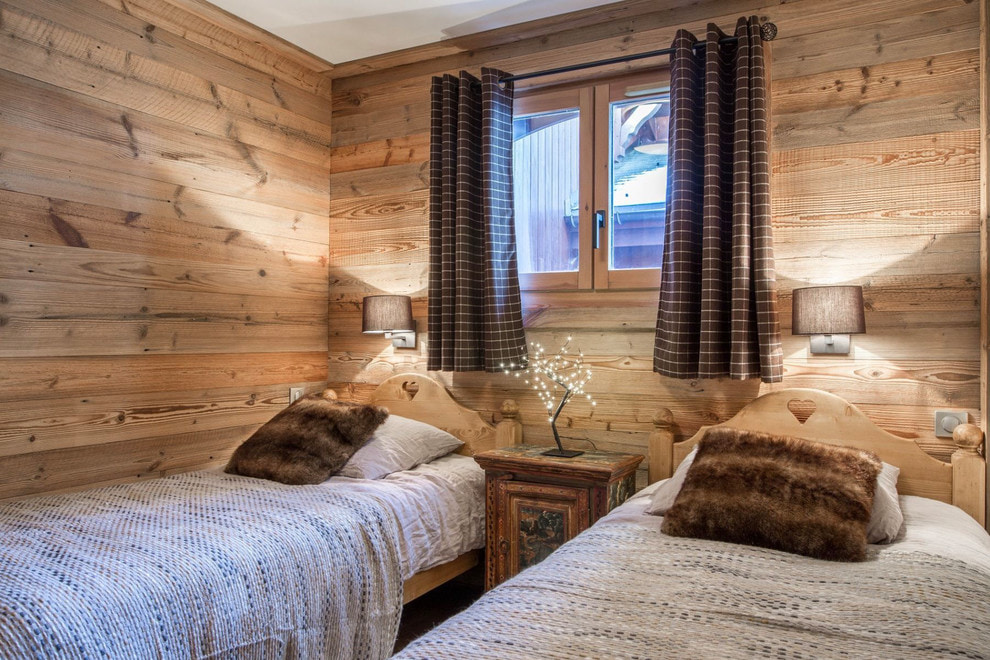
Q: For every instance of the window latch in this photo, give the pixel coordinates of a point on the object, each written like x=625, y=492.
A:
x=596, y=227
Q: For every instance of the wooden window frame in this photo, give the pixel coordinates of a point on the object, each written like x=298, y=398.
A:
x=567, y=99
x=593, y=101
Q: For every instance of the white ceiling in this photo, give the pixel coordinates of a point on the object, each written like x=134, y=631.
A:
x=343, y=30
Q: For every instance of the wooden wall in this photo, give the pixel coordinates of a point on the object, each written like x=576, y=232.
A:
x=876, y=182
x=164, y=206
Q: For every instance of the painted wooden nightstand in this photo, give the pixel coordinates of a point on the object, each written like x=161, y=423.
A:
x=535, y=503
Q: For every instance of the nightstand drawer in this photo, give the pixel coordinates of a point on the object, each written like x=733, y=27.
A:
x=538, y=519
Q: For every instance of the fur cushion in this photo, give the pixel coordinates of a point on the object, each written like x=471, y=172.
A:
x=308, y=442
x=885, y=520
x=777, y=492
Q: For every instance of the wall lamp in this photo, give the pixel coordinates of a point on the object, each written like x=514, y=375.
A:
x=391, y=316
x=829, y=314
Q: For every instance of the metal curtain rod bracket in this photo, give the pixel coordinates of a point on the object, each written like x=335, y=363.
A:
x=768, y=31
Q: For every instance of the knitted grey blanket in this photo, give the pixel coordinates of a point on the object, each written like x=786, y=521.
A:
x=623, y=589
x=199, y=565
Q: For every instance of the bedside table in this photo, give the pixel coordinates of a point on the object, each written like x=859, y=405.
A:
x=535, y=503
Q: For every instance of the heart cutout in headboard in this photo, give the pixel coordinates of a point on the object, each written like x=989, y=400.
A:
x=802, y=409
x=411, y=388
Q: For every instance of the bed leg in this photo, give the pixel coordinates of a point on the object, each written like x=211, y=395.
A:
x=661, y=446
x=969, y=475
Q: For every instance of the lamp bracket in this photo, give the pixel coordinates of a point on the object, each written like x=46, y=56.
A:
x=403, y=339
x=830, y=344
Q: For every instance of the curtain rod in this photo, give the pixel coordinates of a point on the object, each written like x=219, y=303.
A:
x=767, y=33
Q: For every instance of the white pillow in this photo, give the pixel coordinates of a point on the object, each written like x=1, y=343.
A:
x=398, y=444
x=886, y=517
x=665, y=495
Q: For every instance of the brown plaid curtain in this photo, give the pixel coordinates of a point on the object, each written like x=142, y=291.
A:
x=474, y=307
x=718, y=292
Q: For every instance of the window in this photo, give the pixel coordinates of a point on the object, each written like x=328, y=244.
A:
x=590, y=179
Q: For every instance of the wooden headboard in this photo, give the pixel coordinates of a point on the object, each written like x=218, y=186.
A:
x=424, y=399
x=823, y=417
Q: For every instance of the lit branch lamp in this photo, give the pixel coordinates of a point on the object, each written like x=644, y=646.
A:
x=391, y=316
x=829, y=314
x=559, y=370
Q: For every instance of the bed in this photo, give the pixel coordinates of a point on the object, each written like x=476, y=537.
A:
x=624, y=589
x=213, y=565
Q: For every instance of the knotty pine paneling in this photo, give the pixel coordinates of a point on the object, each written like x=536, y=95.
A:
x=876, y=180
x=164, y=202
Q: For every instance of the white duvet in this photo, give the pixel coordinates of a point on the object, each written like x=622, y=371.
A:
x=440, y=507
x=623, y=589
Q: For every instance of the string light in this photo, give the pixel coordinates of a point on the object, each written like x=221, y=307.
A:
x=546, y=372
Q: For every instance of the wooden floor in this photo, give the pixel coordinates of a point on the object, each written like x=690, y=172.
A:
x=433, y=608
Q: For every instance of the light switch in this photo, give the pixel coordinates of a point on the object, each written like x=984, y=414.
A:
x=947, y=420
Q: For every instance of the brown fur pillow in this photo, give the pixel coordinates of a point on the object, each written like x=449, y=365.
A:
x=777, y=492
x=308, y=442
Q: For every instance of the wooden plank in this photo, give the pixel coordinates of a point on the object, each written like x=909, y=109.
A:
x=130, y=460
x=388, y=245
x=27, y=298
x=877, y=165
x=216, y=29
x=382, y=210
x=26, y=337
x=46, y=52
x=838, y=260
x=401, y=179
x=384, y=123
x=880, y=120
x=381, y=153
x=984, y=231
x=355, y=282
x=252, y=179
x=49, y=221
x=100, y=419
x=872, y=42
x=45, y=120
x=48, y=176
x=44, y=378
x=253, y=33
x=72, y=319
x=848, y=88
x=108, y=25
x=935, y=208
x=42, y=263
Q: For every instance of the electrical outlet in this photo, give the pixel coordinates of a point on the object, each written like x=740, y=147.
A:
x=295, y=393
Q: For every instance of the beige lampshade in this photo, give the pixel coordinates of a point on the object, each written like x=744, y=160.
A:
x=828, y=310
x=387, y=314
